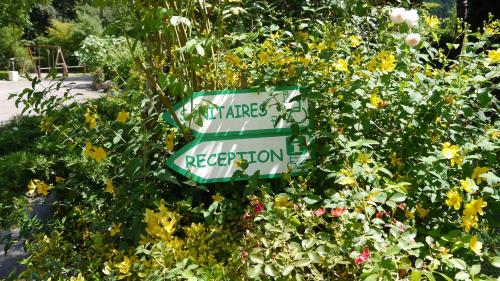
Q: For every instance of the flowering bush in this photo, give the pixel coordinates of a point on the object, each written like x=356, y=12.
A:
x=402, y=183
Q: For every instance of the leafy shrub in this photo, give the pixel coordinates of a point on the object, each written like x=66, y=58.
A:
x=10, y=46
x=109, y=54
x=402, y=184
x=19, y=133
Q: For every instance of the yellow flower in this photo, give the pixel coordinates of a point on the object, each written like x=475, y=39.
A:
x=169, y=141
x=282, y=201
x=452, y=152
x=432, y=21
x=494, y=55
x=422, y=212
x=233, y=59
x=43, y=188
x=364, y=158
x=88, y=149
x=109, y=186
x=99, y=154
x=469, y=222
x=122, y=117
x=115, y=229
x=387, y=61
x=409, y=214
x=454, y=199
x=217, y=197
x=346, y=178
x=395, y=161
x=46, y=124
x=124, y=266
x=468, y=185
x=375, y=100
x=264, y=57
x=88, y=116
x=59, y=179
x=478, y=171
x=77, y=278
x=89, y=119
x=355, y=40
x=341, y=65
x=372, y=65
x=475, y=245
x=92, y=123
x=32, y=187
x=475, y=207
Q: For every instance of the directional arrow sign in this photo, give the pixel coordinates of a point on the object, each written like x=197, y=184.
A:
x=214, y=160
x=237, y=112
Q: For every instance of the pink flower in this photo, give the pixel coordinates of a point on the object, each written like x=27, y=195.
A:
x=364, y=256
x=338, y=212
x=319, y=212
x=259, y=207
x=247, y=216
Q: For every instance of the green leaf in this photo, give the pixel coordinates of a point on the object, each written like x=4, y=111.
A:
x=380, y=197
x=308, y=243
x=475, y=269
x=462, y=275
x=270, y=270
x=302, y=262
x=398, y=197
x=409, y=110
x=254, y=272
x=133, y=166
x=200, y=50
x=495, y=261
x=430, y=276
x=415, y=275
x=287, y=270
x=257, y=258
x=393, y=250
x=490, y=178
x=458, y=263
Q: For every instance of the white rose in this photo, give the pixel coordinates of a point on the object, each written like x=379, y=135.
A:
x=397, y=15
x=412, y=39
x=411, y=18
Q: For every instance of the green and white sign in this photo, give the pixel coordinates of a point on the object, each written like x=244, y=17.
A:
x=207, y=160
x=239, y=112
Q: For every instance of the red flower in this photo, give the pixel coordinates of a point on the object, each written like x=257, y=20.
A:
x=259, y=207
x=338, y=212
x=319, y=212
x=364, y=256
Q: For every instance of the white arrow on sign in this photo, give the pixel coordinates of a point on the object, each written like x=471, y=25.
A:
x=237, y=112
x=214, y=160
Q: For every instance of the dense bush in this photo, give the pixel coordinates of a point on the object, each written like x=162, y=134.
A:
x=108, y=57
x=402, y=184
x=10, y=46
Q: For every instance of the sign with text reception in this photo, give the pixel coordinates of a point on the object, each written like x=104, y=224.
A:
x=238, y=112
x=207, y=160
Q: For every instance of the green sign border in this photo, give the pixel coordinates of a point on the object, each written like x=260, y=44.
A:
x=195, y=142
x=168, y=118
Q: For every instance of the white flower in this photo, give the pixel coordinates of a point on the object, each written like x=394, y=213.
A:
x=411, y=18
x=397, y=15
x=412, y=39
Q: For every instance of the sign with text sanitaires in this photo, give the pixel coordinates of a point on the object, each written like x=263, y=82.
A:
x=241, y=112
x=215, y=159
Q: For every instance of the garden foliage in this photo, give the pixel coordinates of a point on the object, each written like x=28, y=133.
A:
x=402, y=184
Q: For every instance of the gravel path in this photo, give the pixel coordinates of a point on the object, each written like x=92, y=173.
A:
x=79, y=84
